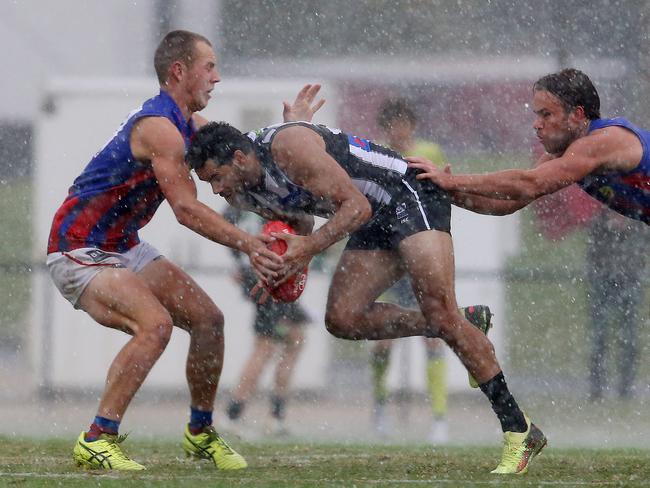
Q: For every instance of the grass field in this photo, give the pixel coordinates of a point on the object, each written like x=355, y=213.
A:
x=27, y=463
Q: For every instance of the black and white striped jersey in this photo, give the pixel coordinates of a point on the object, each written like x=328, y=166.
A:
x=375, y=170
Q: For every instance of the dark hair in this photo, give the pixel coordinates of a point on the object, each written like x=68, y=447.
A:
x=395, y=108
x=217, y=141
x=178, y=45
x=574, y=89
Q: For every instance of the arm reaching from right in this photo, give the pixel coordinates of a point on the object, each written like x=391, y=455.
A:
x=472, y=201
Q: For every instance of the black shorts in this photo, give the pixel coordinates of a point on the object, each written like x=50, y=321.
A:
x=272, y=319
x=418, y=206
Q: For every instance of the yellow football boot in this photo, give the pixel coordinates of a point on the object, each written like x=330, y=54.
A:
x=210, y=445
x=519, y=449
x=103, y=453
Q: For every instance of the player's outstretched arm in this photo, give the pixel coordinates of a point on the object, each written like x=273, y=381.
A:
x=518, y=184
x=486, y=205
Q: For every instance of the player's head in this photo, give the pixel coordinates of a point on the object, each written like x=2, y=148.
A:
x=574, y=89
x=218, y=142
x=397, y=120
x=564, y=103
x=393, y=109
x=187, y=59
x=223, y=156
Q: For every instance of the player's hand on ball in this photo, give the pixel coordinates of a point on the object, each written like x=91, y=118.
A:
x=296, y=257
x=266, y=264
x=260, y=294
x=290, y=281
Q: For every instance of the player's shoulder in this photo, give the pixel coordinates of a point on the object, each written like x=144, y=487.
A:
x=152, y=134
x=294, y=136
x=616, y=130
x=152, y=126
x=292, y=128
x=608, y=130
x=605, y=139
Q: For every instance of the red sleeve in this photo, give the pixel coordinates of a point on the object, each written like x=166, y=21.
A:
x=564, y=211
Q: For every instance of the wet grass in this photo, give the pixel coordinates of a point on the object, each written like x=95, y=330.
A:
x=39, y=463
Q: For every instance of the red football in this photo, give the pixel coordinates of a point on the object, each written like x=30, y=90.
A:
x=292, y=288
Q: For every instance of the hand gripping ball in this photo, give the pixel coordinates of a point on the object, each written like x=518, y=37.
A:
x=292, y=288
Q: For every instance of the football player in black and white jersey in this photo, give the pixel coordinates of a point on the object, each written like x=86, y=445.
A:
x=397, y=225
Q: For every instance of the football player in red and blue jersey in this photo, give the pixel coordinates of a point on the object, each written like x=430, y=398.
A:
x=608, y=158
x=100, y=265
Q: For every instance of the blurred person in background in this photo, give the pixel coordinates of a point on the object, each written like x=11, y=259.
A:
x=608, y=158
x=398, y=121
x=279, y=329
x=616, y=280
x=616, y=258
x=397, y=226
x=99, y=264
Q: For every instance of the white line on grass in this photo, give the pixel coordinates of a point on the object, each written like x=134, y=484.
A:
x=459, y=482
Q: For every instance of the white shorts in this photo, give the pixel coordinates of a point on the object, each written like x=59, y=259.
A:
x=71, y=271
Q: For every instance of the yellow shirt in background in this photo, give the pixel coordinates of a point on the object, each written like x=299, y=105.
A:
x=428, y=150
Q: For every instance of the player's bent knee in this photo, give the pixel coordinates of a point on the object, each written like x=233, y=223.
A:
x=336, y=330
x=339, y=327
x=214, y=320
x=443, y=320
x=342, y=320
x=332, y=319
x=157, y=335
x=206, y=320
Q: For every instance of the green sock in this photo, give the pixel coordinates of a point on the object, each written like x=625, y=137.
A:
x=437, y=384
x=379, y=362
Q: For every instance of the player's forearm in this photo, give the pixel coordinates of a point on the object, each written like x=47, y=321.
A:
x=486, y=205
x=513, y=184
x=208, y=223
x=350, y=216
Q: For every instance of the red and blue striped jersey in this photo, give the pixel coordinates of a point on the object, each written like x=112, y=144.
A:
x=627, y=193
x=115, y=195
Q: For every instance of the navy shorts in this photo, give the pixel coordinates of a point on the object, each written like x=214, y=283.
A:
x=420, y=205
x=273, y=319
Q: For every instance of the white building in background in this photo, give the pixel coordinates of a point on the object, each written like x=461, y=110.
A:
x=43, y=40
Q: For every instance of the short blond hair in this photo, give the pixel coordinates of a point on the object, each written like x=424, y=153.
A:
x=178, y=45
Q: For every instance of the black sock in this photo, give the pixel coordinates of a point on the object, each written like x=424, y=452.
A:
x=235, y=409
x=504, y=405
x=277, y=406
